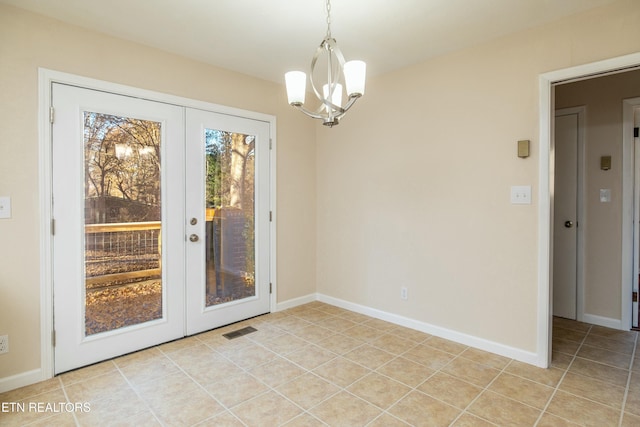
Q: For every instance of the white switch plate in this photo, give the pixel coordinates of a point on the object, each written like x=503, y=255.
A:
x=521, y=194
x=5, y=207
x=4, y=344
x=605, y=195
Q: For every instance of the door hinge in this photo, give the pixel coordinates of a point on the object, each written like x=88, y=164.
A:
x=53, y=227
x=635, y=297
x=635, y=132
x=270, y=216
x=53, y=338
x=270, y=288
x=51, y=114
x=271, y=142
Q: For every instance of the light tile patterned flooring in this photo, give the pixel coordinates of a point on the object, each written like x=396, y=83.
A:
x=318, y=365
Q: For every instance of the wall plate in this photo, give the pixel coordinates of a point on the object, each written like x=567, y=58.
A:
x=5, y=207
x=521, y=194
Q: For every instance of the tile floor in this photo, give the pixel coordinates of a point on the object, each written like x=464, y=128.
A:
x=318, y=365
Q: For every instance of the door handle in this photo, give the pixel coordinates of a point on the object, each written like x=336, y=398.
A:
x=568, y=224
x=194, y=238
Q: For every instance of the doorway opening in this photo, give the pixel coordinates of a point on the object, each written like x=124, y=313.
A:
x=600, y=293
x=548, y=85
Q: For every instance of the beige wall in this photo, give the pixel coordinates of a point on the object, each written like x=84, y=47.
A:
x=413, y=186
x=27, y=42
x=603, y=137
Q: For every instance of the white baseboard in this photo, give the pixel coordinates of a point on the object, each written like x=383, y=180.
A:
x=296, y=302
x=20, y=380
x=479, y=343
x=461, y=338
x=607, y=322
x=32, y=377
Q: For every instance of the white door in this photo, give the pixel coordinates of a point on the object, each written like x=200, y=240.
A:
x=118, y=244
x=128, y=272
x=565, y=224
x=227, y=219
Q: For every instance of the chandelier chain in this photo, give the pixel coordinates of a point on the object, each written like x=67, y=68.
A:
x=328, y=18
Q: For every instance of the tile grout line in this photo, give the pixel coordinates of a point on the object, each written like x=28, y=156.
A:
x=133, y=388
x=411, y=388
x=306, y=371
x=439, y=370
x=273, y=389
x=564, y=374
x=286, y=354
x=246, y=371
x=269, y=387
x=371, y=371
x=626, y=391
x=484, y=389
x=226, y=408
x=66, y=396
x=344, y=389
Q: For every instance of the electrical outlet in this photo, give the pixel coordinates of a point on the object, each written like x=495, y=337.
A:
x=4, y=344
x=403, y=293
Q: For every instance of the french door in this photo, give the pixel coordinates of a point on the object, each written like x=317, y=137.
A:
x=227, y=207
x=161, y=222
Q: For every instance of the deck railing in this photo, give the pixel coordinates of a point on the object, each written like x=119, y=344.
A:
x=119, y=252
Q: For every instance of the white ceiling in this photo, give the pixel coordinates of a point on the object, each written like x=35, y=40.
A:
x=266, y=38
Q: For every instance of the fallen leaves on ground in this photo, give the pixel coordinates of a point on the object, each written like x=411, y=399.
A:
x=114, y=308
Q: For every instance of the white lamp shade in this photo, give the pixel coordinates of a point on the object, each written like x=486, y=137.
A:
x=354, y=76
x=296, y=82
x=336, y=96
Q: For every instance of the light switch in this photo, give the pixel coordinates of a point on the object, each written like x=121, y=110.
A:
x=605, y=195
x=521, y=194
x=5, y=207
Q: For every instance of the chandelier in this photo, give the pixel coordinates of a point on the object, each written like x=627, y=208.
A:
x=352, y=73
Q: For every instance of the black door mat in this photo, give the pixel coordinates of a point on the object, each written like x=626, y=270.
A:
x=239, y=332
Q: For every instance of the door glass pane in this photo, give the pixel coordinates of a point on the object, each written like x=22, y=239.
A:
x=123, y=284
x=230, y=240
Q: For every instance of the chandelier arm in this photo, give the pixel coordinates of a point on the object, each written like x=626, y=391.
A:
x=313, y=66
x=343, y=110
x=333, y=107
x=336, y=50
x=331, y=47
x=352, y=100
x=336, y=111
x=314, y=115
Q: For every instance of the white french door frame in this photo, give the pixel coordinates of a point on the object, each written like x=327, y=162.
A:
x=46, y=78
